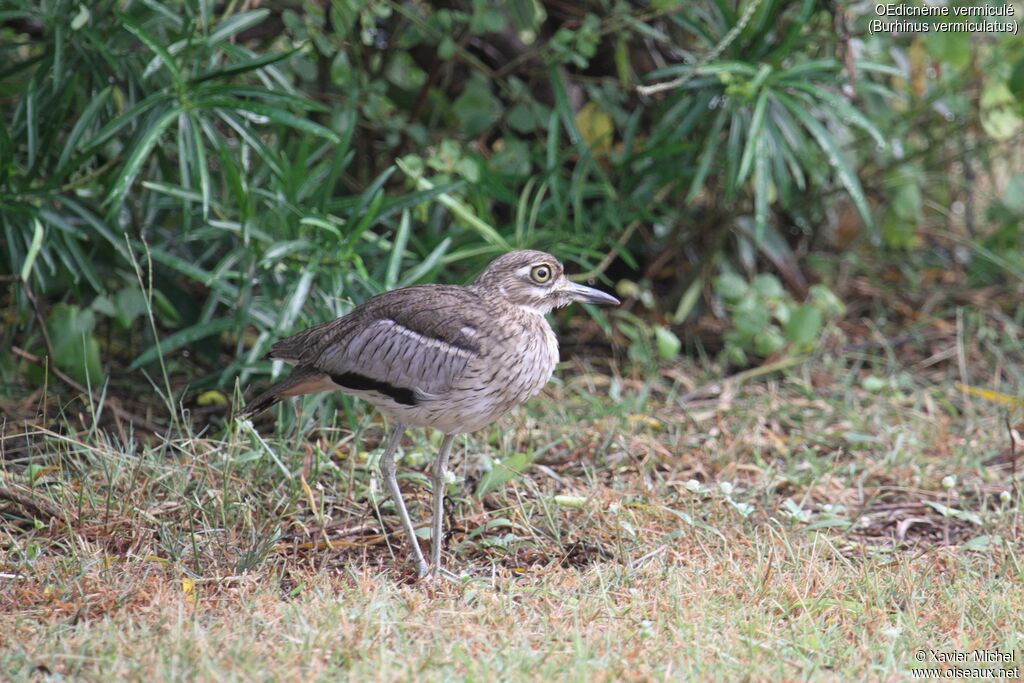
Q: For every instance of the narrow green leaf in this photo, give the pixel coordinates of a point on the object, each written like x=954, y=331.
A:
x=876, y=67
x=236, y=68
x=397, y=251
x=564, y=109
x=835, y=158
x=845, y=112
x=297, y=300
x=761, y=190
x=803, y=70
x=428, y=264
x=368, y=218
x=33, y=250
x=233, y=178
x=84, y=121
x=200, y=163
x=190, y=270
x=269, y=157
x=182, y=338
x=237, y=23
x=732, y=151
x=136, y=111
x=413, y=199
x=32, y=122
x=521, y=208
x=753, y=135
x=163, y=10
x=282, y=249
x=275, y=114
x=245, y=93
x=83, y=265
x=175, y=191
x=155, y=45
x=461, y=211
x=711, y=143
x=94, y=222
x=141, y=147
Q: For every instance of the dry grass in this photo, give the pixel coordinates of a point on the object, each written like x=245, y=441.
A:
x=796, y=526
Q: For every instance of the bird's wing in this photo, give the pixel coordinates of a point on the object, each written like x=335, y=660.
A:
x=406, y=343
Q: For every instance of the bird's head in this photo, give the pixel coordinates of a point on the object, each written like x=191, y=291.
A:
x=536, y=282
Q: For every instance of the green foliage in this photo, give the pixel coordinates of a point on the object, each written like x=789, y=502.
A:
x=75, y=349
x=766, y=320
x=269, y=166
x=649, y=342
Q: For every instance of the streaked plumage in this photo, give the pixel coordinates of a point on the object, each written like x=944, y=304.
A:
x=447, y=357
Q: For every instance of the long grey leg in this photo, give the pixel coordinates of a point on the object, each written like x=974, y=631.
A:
x=440, y=470
x=387, y=468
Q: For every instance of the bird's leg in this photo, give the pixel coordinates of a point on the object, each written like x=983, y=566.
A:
x=387, y=468
x=440, y=472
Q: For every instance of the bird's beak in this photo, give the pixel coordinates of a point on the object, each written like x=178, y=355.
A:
x=589, y=295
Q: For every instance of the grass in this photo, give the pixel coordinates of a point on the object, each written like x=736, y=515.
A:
x=825, y=522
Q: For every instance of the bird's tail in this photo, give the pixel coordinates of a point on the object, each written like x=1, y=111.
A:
x=301, y=381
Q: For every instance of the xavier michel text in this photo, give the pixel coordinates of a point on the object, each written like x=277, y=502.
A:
x=978, y=656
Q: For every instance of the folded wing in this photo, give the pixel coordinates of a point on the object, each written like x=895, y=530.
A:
x=406, y=344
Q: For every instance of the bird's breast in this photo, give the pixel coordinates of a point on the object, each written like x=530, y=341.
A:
x=518, y=360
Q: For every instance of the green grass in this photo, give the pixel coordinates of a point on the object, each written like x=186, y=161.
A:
x=673, y=527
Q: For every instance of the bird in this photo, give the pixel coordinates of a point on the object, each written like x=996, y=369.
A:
x=448, y=357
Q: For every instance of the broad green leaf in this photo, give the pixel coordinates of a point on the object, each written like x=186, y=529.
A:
x=825, y=300
x=768, y=341
x=804, y=325
x=129, y=304
x=76, y=350
x=1013, y=194
x=503, y=472
x=751, y=316
x=595, y=127
x=666, y=342
x=476, y=108
x=730, y=286
x=768, y=286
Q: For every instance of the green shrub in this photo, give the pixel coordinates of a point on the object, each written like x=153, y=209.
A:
x=267, y=167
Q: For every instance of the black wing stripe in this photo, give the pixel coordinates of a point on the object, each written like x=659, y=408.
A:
x=357, y=382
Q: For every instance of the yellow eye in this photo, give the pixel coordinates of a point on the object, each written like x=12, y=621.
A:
x=540, y=274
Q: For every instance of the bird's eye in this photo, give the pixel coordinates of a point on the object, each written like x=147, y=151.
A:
x=540, y=274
